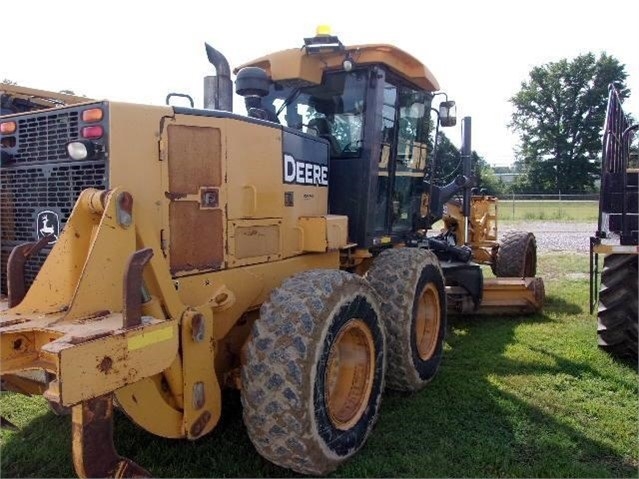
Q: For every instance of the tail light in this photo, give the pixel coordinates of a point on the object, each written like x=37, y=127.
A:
x=92, y=132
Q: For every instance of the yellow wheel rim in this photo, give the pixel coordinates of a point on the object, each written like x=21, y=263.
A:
x=349, y=374
x=428, y=322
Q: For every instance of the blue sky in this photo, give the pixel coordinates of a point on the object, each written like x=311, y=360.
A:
x=479, y=51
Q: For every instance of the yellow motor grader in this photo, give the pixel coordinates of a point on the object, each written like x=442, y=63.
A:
x=155, y=255
x=515, y=255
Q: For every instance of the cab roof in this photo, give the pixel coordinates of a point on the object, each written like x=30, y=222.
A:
x=294, y=64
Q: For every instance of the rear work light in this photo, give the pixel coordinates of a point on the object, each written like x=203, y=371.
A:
x=8, y=127
x=92, y=115
x=81, y=150
x=92, y=132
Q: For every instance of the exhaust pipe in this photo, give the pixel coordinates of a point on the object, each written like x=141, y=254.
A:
x=218, y=88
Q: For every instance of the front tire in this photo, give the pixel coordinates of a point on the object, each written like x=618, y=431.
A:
x=516, y=256
x=314, y=374
x=618, y=310
x=411, y=285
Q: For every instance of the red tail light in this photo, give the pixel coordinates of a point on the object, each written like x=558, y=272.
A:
x=92, y=132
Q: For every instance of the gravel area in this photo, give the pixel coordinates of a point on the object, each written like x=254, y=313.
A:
x=554, y=235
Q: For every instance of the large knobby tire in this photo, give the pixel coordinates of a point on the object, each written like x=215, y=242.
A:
x=618, y=310
x=314, y=372
x=516, y=256
x=411, y=286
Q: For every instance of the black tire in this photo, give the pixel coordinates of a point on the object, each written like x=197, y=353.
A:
x=516, y=256
x=618, y=310
x=295, y=415
x=406, y=278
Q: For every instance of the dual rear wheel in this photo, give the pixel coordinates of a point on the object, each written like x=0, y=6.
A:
x=325, y=346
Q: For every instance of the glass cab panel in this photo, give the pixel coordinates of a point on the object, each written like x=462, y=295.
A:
x=333, y=110
x=403, y=156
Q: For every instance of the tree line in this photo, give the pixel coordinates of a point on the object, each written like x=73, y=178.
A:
x=558, y=114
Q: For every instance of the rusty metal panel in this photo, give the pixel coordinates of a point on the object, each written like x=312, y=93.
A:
x=195, y=158
x=197, y=237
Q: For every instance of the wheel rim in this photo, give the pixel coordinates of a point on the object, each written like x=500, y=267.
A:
x=349, y=374
x=427, y=322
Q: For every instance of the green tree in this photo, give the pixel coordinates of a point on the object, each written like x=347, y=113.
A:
x=449, y=166
x=448, y=160
x=559, y=113
x=486, y=178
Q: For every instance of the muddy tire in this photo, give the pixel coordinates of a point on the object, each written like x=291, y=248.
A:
x=314, y=372
x=516, y=256
x=411, y=286
x=618, y=310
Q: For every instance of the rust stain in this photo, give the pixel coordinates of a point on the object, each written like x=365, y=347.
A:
x=83, y=339
x=13, y=322
x=93, y=316
x=220, y=298
x=174, y=196
x=199, y=425
x=196, y=239
x=105, y=365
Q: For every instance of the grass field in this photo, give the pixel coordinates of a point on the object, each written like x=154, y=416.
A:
x=519, y=210
x=515, y=397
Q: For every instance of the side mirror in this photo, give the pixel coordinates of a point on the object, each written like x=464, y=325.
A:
x=447, y=113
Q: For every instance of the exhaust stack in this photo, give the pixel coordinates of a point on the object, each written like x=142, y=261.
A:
x=218, y=88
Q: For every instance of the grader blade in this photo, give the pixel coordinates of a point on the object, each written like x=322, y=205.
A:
x=512, y=296
x=94, y=454
x=500, y=296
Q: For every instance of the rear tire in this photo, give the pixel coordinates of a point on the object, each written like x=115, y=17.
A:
x=618, y=310
x=314, y=374
x=516, y=256
x=411, y=285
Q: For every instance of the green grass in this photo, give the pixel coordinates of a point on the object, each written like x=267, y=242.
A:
x=546, y=210
x=515, y=397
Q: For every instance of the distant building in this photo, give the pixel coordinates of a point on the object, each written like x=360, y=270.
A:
x=507, y=178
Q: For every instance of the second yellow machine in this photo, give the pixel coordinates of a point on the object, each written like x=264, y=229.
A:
x=155, y=255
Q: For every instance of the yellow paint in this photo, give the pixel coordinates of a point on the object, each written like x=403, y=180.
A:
x=615, y=249
x=146, y=339
x=296, y=64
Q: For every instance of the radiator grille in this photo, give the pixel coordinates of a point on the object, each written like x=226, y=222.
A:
x=43, y=138
x=42, y=177
x=26, y=191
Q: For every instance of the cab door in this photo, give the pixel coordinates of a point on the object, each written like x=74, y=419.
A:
x=403, y=158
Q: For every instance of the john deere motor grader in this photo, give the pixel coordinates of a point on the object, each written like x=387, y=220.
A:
x=515, y=255
x=282, y=252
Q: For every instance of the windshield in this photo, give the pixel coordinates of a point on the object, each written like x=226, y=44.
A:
x=333, y=110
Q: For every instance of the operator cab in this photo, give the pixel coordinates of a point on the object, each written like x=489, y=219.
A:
x=372, y=104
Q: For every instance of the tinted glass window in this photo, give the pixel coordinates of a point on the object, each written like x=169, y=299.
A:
x=333, y=110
